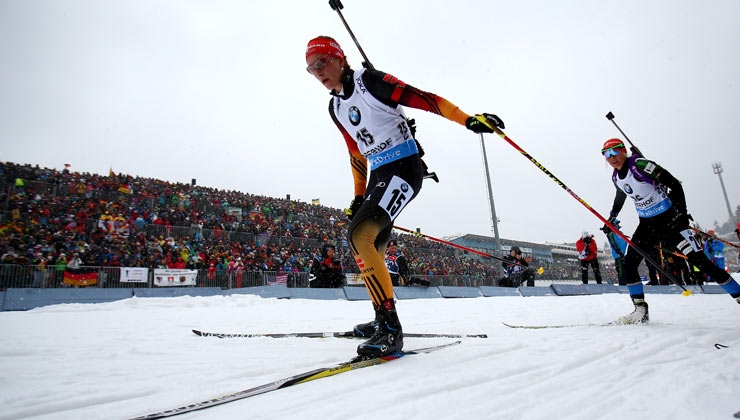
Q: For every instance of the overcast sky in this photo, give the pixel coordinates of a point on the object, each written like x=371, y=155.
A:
x=217, y=91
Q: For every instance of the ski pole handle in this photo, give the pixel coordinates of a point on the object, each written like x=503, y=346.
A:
x=610, y=117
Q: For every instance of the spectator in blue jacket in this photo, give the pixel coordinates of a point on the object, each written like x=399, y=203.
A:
x=619, y=248
x=714, y=249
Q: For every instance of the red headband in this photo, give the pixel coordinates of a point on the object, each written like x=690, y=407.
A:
x=323, y=45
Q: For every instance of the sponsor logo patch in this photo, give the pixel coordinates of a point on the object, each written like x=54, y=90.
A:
x=354, y=115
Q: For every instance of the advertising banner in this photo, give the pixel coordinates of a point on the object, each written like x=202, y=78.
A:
x=174, y=277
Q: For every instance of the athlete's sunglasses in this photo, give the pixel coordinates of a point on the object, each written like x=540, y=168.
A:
x=319, y=64
x=612, y=151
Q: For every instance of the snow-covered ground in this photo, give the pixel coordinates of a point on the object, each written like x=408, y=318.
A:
x=132, y=357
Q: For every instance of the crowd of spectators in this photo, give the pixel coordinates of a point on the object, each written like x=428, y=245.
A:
x=50, y=217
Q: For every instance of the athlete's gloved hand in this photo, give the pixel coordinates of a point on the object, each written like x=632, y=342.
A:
x=354, y=206
x=606, y=229
x=681, y=220
x=477, y=126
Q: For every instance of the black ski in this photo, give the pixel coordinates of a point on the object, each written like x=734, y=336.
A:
x=539, y=327
x=340, y=334
x=595, y=324
x=289, y=381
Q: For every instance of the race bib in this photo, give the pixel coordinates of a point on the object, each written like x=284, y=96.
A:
x=396, y=196
x=689, y=242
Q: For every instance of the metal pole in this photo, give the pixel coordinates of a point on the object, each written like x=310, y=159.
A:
x=494, y=219
x=717, y=167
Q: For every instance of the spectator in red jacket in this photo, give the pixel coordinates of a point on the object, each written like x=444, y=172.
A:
x=587, y=255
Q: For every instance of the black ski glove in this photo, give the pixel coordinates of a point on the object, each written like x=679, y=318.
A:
x=681, y=220
x=477, y=126
x=606, y=229
x=354, y=206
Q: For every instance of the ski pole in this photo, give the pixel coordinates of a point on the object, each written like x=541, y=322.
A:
x=529, y=157
x=678, y=254
x=715, y=237
x=337, y=6
x=610, y=117
x=464, y=248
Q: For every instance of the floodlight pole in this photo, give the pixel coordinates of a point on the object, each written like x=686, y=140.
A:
x=717, y=168
x=494, y=219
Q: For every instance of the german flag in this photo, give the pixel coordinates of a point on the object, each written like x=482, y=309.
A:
x=83, y=276
x=4, y=228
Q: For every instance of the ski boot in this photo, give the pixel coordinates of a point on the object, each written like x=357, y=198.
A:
x=388, y=336
x=367, y=329
x=639, y=316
